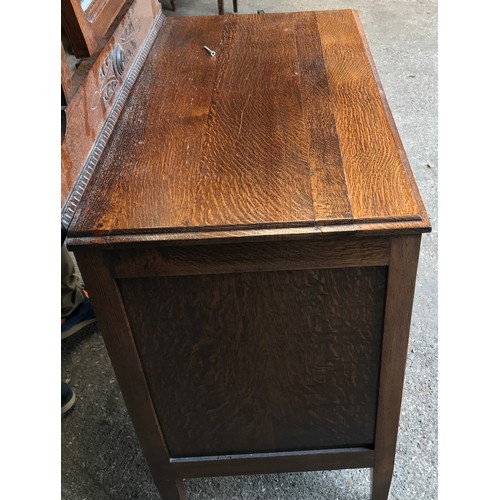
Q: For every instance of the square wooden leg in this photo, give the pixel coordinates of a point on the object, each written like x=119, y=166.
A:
x=173, y=490
x=400, y=288
x=381, y=482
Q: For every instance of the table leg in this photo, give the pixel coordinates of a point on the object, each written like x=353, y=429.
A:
x=220, y=3
x=120, y=344
x=381, y=482
x=399, y=300
x=235, y=5
x=173, y=490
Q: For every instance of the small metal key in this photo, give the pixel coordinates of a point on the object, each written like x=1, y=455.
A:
x=210, y=51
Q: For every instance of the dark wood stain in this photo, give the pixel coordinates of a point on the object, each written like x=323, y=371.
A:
x=129, y=372
x=261, y=361
x=248, y=257
x=400, y=289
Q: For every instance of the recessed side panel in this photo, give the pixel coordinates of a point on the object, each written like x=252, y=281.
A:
x=261, y=362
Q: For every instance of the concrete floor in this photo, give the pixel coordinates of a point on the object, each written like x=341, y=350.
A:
x=101, y=457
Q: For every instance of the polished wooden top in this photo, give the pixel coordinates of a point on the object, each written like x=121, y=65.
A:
x=286, y=131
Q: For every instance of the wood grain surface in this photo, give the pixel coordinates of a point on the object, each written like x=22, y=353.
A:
x=97, y=93
x=370, y=158
x=400, y=289
x=263, y=361
x=66, y=84
x=284, y=348
x=286, y=128
x=120, y=345
x=85, y=30
x=248, y=257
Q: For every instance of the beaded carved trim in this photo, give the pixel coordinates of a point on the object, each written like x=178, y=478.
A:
x=81, y=183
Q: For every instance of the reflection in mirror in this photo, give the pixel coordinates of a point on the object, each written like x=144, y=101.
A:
x=85, y=4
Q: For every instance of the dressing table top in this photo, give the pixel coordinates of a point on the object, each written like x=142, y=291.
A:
x=286, y=131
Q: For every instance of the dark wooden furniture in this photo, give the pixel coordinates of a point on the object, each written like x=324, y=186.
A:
x=248, y=227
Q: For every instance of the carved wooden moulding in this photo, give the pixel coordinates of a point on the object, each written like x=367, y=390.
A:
x=94, y=109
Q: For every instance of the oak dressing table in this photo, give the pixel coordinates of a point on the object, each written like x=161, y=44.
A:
x=248, y=228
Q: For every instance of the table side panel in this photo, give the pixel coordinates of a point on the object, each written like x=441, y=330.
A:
x=121, y=348
x=247, y=257
x=262, y=361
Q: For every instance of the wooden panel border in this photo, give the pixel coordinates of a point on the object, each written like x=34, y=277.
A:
x=249, y=235
x=248, y=257
x=264, y=463
x=120, y=344
x=399, y=301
